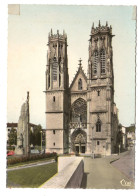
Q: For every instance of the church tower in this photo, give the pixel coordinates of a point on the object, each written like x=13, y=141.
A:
x=100, y=95
x=57, y=85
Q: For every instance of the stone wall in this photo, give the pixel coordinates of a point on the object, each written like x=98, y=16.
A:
x=70, y=173
x=54, y=141
x=56, y=105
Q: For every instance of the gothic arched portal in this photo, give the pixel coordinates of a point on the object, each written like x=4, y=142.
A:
x=78, y=141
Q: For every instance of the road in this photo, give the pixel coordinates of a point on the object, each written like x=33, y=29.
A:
x=100, y=174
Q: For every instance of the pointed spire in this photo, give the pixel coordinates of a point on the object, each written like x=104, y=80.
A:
x=51, y=32
x=106, y=23
x=93, y=25
x=63, y=32
x=110, y=29
x=57, y=31
x=99, y=23
x=92, y=29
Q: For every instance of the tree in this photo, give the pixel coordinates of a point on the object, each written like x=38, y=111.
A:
x=130, y=129
x=120, y=137
x=35, y=136
x=12, y=137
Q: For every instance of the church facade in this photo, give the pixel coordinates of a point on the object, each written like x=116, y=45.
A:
x=82, y=117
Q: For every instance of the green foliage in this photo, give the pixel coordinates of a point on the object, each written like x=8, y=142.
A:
x=10, y=148
x=130, y=129
x=12, y=137
x=35, y=136
x=31, y=158
x=31, y=177
x=119, y=137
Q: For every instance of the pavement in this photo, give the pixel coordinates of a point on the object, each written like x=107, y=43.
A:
x=99, y=173
x=31, y=165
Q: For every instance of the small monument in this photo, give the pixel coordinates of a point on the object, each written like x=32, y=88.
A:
x=23, y=146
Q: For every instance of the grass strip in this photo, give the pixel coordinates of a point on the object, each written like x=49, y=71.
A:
x=31, y=177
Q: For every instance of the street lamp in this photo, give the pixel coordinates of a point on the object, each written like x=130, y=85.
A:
x=119, y=148
x=41, y=141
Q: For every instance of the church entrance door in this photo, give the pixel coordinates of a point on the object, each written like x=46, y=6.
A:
x=79, y=141
x=77, y=149
x=83, y=149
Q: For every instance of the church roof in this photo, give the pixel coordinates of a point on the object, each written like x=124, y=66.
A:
x=79, y=70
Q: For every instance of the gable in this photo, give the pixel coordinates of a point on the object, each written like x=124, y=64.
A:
x=79, y=75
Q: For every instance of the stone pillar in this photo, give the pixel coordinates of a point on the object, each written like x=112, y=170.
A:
x=23, y=145
x=89, y=135
x=108, y=99
x=51, y=76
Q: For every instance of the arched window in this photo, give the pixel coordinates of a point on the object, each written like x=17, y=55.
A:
x=102, y=58
x=98, y=126
x=95, y=63
x=79, y=111
x=59, y=80
x=54, y=99
x=98, y=93
x=54, y=132
x=55, y=64
x=80, y=84
x=48, y=81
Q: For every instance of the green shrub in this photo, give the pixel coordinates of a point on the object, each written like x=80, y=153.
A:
x=31, y=158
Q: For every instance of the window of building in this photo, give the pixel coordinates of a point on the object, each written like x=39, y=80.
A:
x=59, y=80
x=98, y=126
x=54, y=131
x=98, y=142
x=55, y=65
x=95, y=63
x=79, y=111
x=54, y=99
x=54, y=144
x=80, y=84
x=98, y=93
x=102, y=58
x=48, y=81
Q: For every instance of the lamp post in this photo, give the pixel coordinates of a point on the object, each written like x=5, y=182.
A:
x=119, y=148
x=41, y=141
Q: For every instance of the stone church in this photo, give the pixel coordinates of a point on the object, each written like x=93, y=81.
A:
x=82, y=117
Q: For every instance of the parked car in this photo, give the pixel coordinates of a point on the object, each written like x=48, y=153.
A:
x=10, y=153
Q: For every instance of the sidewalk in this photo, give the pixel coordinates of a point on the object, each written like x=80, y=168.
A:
x=126, y=164
x=100, y=174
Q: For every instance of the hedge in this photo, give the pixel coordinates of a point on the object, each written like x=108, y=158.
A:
x=31, y=158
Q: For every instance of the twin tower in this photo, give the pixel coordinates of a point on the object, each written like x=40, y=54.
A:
x=82, y=117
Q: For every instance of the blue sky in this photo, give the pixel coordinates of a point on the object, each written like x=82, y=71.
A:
x=27, y=39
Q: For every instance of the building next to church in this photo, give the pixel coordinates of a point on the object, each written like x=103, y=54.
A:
x=81, y=117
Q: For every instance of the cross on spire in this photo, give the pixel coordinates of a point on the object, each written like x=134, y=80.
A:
x=27, y=95
x=80, y=62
